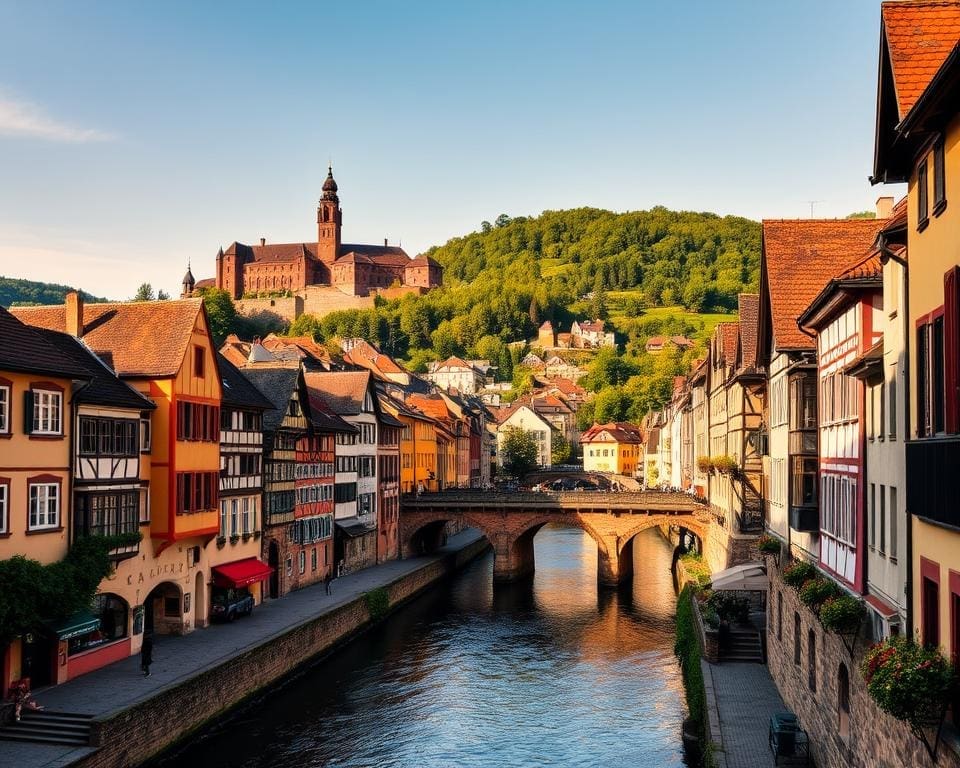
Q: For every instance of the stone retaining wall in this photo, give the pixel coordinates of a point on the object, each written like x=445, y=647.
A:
x=131, y=736
x=874, y=739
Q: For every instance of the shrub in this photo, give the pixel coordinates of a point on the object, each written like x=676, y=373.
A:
x=696, y=568
x=798, y=573
x=842, y=615
x=378, y=603
x=912, y=683
x=729, y=607
x=687, y=648
x=815, y=592
x=769, y=545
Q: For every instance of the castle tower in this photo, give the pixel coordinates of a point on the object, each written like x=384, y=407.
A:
x=329, y=220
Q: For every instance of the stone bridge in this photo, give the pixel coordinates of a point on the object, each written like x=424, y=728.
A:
x=511, y=520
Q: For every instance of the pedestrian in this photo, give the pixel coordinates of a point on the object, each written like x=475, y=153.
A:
x=328, y=580
x=146, y=655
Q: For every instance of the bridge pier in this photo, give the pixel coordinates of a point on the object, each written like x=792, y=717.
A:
x=614, y=565
x=513, y=558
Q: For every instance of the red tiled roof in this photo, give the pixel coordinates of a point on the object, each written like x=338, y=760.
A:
x=620, y=431
x=343, y=391
x=284, y=252
x=863, y=267
x=207, y=282
x=920, y=35
x=799, y=256
x=141, y=338
x=728, y=334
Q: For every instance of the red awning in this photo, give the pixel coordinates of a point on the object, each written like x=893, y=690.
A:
x=241, y=573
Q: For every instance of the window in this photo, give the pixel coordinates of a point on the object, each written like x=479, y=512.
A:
x=4, y=409
x=313, y=559
x=939, y=179
x=796, y=638
x=4, y=506
x=197, y=491
x=109, y=437
x=344, y=492
x=893, y=522
x=922, y=194
x=234, y=506
x=303, y=561
x=245, y=516
x=804, y=481
x=107, y=514
x=198, y=360
x=843, y=702
x=44, y=506
x=780, y=616
x=46, y=412
x=145, y=435
x=198, y=421
x=873, y=515
x=803, y=393
x=883, y=519
x=892, y=410
x=812, y=661
x=223, y=518
x=931, y=612
x=930, y=378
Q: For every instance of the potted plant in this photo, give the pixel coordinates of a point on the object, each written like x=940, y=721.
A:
x=768, y=545
x=704, y=464
x=815, y=592
x=843, y=615
x=798, y=573
x=912, y=683
x=221, y=542
x=724, y=464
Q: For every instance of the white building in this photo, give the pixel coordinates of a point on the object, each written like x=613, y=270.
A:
x=467, y=376
x=526, y=419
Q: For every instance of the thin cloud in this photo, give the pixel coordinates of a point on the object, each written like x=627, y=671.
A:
x=21, y=119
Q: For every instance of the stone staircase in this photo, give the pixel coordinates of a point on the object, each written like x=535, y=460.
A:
x=46, y=727
x=743, y=645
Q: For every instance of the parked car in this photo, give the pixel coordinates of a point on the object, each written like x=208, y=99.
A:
x=228, y=604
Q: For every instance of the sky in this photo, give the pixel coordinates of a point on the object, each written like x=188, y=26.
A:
x=136, y=138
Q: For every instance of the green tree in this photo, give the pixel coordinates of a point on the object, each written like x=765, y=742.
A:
x=220, y=311
x=485, y=226
x=144, y=293
x=163, y=295
x=306, y=325
x=518, y=452
x=560, y=450
x=502, y=220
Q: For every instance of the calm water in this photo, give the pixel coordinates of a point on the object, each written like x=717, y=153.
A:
x=550, y=673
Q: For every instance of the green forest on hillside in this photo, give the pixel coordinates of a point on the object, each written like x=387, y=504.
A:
x=500, y=283
x=14, y=291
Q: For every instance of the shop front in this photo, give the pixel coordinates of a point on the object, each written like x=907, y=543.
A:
x=91, y=639
x=237, y=587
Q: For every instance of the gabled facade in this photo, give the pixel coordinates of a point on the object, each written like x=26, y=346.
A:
x=616, y=447
x=528, y=420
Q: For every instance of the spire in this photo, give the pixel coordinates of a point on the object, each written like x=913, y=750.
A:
x=329, y=186
x=188, y=282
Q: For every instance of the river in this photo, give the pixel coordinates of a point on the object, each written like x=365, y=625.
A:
x=553, y=673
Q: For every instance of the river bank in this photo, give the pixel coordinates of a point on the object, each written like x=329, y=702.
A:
x=200, y=676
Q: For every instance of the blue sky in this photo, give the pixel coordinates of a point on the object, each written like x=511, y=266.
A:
x=135, y=137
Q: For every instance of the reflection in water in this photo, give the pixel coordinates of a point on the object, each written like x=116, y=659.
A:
x=552, y=673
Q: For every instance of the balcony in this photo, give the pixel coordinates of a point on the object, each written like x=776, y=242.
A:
x=932, y=485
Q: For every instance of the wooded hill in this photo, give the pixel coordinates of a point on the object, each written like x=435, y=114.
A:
x=23, y=292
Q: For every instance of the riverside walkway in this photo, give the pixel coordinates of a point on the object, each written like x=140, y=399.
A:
x=121, y=685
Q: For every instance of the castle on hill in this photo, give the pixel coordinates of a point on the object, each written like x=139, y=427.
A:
x=355, y=270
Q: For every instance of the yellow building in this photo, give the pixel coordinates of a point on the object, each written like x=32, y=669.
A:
x=616, y=447
x=918, y=141
x=418, y=445
x=164, y=350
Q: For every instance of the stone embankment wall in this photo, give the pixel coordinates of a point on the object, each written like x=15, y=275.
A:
x=132, y=736
x=874, y=738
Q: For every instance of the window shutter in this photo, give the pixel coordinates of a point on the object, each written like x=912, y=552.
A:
x=951, y=349
x=28, y=411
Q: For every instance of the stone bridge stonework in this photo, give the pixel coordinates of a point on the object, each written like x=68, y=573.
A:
x=511, y=520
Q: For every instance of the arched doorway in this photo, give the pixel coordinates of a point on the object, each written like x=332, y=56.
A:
x=200, y=601
x=273, y=558
x=163, y=610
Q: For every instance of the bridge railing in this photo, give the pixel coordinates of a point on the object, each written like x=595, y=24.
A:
x=560, y=498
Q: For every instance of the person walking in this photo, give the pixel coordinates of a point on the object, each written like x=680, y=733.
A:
x=146, y=655
x=328, y=581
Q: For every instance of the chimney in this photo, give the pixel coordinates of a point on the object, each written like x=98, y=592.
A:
x=73, y=308
x=263, y=241
x=884, y=207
